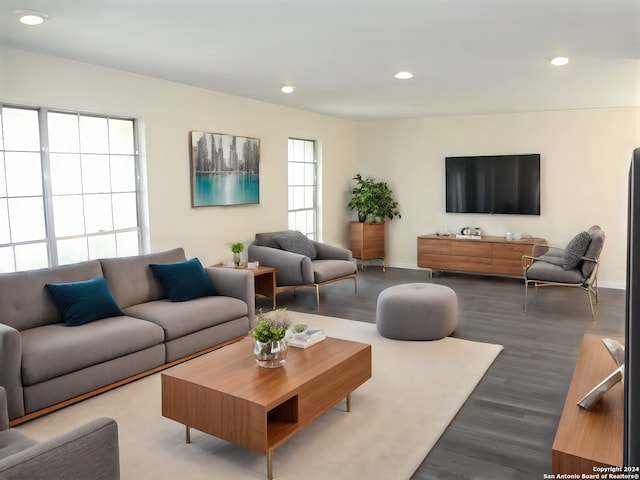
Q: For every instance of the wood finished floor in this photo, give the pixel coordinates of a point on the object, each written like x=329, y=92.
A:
x=506, y=428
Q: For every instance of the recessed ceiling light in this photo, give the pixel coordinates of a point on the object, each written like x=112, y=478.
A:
x=559, y=61
x=30, y=17
x=288, y=89
x=404, y=75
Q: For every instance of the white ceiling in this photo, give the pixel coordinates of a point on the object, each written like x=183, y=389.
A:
x=468, y=56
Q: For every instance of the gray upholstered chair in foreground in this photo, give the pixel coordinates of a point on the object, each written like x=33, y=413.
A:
x=576, y=265
x=300, y=262
x=87, y=452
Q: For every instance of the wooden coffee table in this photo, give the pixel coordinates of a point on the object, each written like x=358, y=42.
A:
x=226, y=394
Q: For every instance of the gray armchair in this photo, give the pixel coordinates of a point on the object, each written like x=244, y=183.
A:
x=300, y=262
x=87, y=452
x=576, y=265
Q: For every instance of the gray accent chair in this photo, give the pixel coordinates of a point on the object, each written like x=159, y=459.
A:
x=87, y=452
x=544, y=268
x=294, y=270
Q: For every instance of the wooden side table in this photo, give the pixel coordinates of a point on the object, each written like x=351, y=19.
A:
x=264, y=280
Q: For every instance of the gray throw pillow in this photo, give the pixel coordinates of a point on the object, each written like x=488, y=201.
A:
x=296, y=242
x=575, y=250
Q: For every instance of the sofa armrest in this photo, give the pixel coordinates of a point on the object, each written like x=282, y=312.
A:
x=4, y=413
x=89, y=451
x=291, y=268
x=331, y=252
x=10, y=366
x=235, y=283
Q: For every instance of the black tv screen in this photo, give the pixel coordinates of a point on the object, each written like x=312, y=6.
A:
x=493, y=184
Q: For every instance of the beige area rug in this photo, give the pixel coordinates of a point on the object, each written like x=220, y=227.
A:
x=396, y=417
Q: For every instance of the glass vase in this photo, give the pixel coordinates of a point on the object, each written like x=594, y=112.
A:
x=271, y=354
x=236, y=259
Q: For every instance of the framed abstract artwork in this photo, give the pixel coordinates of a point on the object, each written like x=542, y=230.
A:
x=225, y=169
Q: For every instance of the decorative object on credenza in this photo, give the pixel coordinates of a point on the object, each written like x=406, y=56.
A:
x=616, y=350
x=470, y=233
x=237, y=248
x=225, y=169
x=270, y=347
x=373, y=201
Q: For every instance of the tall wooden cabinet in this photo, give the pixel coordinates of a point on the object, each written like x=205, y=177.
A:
x=368, y=241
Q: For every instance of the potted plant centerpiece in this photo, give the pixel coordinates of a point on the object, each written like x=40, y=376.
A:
x=270, y=347
x=373, y=200
x=237, y=248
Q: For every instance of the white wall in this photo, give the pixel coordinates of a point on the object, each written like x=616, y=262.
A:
x=168, y=112
x=585, y=156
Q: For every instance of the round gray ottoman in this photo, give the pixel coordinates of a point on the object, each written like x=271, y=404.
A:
x=417, y=311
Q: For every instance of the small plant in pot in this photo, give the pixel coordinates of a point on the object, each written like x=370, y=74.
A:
x=237, y=248
x=373, y=200
x=270, y=347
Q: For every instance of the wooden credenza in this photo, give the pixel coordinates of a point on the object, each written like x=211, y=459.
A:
x=368, y=241
x=590, y=438
x=494, y=255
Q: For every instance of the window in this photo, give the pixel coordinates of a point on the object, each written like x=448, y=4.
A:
x=303, y=209
x=68, y=188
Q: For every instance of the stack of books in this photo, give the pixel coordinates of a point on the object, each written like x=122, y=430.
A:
x=306, y=339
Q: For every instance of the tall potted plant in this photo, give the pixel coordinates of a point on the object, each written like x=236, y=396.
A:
x=373, y=200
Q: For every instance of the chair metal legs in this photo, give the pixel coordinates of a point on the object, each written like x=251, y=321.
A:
x=591, y=289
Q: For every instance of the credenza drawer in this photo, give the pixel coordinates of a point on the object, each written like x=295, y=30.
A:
x=437, y=262
x=474, y=264
x=510, y=250
x=436, y=247
x=507, y=266
x=470, y=248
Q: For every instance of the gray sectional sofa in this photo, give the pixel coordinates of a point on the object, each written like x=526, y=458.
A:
x=45, y=362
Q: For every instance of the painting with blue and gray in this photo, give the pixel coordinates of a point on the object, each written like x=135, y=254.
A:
x=226, y=169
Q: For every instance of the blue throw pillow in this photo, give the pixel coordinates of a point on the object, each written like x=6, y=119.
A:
x=84, y=302
x=183, y=281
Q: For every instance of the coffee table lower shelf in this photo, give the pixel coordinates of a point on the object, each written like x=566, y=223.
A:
x=225, y=394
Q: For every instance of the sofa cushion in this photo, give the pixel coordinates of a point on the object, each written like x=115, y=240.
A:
x=25, y=301
x=183, y=281
x=554, y=273
x=324, y=270
x=594, y=250
x=182, y=318
x=84, y=302
x=266, y=239
x=551, y=258
x=575, y=250
x=53, y=350
x=296, y=242
x=131, y=280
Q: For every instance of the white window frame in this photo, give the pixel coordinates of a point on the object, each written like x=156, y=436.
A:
x=50, y=238
x=302, y=159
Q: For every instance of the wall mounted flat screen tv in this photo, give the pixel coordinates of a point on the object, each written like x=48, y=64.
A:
x=493, y=184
